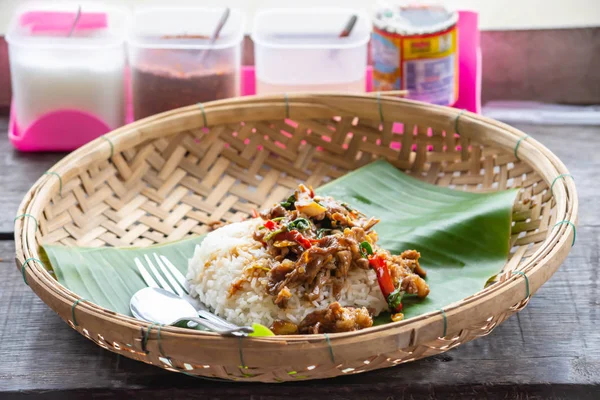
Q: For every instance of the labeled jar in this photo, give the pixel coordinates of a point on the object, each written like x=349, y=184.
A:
x=415, y=48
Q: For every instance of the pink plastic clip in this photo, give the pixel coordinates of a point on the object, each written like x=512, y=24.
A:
x=60, y=21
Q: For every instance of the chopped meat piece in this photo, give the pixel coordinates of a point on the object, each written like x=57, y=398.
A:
x=275, y=212
x=410, y=254
x=284, y=328
x=411, y=260
x=278, y=273
x=318, y=285
x=362, y=263
x=282, y=297
x=344, y=259
x=336, y=318
x=414, y=284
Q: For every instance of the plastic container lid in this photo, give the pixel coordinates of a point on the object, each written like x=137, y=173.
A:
x=305, y=28
x=185, y=28
x=67, y=25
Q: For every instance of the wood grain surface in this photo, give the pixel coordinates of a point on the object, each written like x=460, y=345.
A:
x=18, y=171
x=550, y=350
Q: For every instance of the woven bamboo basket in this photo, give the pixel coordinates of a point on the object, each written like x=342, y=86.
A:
x=169, y=176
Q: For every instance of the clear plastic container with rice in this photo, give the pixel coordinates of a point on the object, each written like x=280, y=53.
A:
x=67, y=61
x=183, y=56
x=301, y=50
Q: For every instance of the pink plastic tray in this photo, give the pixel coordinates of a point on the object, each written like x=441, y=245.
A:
x=65, y=130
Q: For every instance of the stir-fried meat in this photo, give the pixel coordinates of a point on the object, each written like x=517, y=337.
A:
x=319, y=283
x=414, y=284
x=315, y=242
x=284, y=328
x=344, y=259
x=279, y=272
x=275, y=212
x=283, y=296
x=336, y=318
x=411, y=260
x=362, y=263
x=404, y=270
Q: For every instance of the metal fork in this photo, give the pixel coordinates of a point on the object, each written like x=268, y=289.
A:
x=176, y=285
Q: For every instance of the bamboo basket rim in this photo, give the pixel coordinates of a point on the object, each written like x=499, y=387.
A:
x=304, y=106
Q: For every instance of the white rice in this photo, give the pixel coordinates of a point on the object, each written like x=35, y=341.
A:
x=220, y=260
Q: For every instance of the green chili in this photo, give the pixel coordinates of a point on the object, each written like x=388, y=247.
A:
x=272, y=234
x=365, y=249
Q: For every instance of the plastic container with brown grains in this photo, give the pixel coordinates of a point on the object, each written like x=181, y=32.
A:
x=174, y=62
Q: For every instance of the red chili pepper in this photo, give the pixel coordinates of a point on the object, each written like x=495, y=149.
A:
x=379, y=264
x=297, y=237
x=312, y=193
x=383, y=274
x=270, y=225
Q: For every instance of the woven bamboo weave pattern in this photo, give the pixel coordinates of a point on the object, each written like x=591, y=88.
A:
x=171, y=176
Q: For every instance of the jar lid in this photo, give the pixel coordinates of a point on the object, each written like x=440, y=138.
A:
x=415, y=19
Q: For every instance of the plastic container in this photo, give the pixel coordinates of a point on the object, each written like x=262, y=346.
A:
x=67, y=70
x=301, y=50
x=174, y=63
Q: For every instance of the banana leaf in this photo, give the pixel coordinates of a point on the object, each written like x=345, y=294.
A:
x=463, y=239
x=108, y=276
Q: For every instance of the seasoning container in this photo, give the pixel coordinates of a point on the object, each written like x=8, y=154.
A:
x=175, y=62
x=67, y=63
x=301, y=50
x=414, y=48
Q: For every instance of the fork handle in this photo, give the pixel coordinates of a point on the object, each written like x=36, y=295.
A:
x=216, y=319
x=220, y=329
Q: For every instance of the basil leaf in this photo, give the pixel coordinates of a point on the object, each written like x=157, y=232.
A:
x=299, y=224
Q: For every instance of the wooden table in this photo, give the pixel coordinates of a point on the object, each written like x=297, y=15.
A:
x=551, y=349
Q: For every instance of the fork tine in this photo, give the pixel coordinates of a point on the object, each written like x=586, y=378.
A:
x=175, y=272
x=169, y=276
x=145, y=275
x=158, y=276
